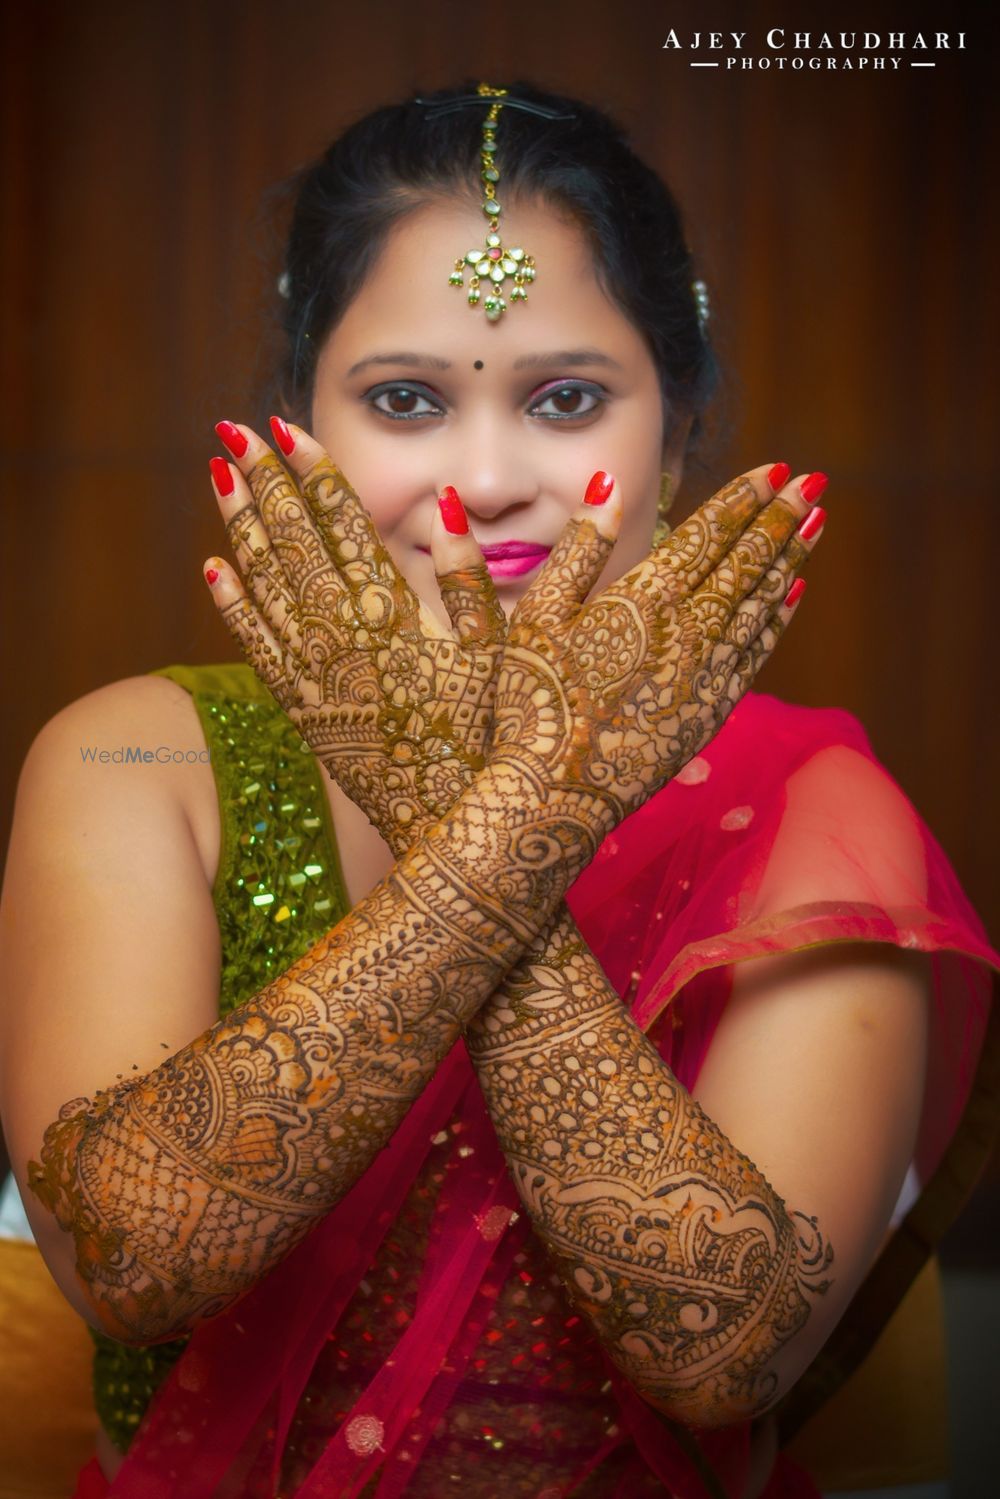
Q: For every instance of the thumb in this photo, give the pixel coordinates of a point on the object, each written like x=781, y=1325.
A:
x=577, y=559
x=467, y=590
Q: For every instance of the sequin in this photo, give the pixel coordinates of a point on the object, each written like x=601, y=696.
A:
x=694, y=772
x=492, y=1224
x=364, y=1435
x=736, y=818
x=277, y=891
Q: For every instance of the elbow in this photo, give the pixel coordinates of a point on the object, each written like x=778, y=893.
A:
x=156, y=1314
x=703, y=1409
x=713, y=1404
x=162, y=1325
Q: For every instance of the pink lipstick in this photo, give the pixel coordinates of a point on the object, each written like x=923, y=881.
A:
x=511, y=559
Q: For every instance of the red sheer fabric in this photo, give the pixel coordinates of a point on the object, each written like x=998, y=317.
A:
x=414, y=1343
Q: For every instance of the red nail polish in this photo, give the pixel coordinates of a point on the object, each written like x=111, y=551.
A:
x=812, y=523
x=453, y=512
x=222, y=476
x=282, y=436
x=796, y=591
x=812, y=487
x=778, y=476
x=233, y=438
x=599, y=488
x=211, y=575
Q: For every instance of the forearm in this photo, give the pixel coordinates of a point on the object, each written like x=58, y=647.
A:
x=183, y=1187
x=687, y=1263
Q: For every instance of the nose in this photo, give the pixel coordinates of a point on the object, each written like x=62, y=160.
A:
x=492, y=471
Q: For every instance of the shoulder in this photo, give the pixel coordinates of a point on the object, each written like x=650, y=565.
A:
x=846, y=830
x=86, y=762
x=129, y=705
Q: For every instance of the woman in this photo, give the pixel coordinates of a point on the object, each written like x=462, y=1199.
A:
x=603, y=1248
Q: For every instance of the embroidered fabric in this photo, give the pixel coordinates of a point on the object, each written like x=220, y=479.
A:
x=415, y=1341
x=278, y=889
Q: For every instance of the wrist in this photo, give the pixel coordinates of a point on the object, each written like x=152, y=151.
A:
x=501, y=859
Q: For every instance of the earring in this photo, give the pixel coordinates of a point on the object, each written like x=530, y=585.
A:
x=662, y=530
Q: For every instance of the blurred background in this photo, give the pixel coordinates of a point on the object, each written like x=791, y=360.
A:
x=845, y=223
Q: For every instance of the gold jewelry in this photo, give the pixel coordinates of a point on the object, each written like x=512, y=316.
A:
x=662, y=530
x=493, y=263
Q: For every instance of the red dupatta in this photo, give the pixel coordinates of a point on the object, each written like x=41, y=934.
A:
x=674, y=896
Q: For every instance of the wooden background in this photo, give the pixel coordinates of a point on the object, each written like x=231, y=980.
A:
x=845, y=227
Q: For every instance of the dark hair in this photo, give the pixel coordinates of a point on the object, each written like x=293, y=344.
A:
x=405, y=155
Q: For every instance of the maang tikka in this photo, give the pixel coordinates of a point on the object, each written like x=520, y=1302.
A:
x=494, y=263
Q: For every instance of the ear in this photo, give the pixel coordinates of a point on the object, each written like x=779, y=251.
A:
x=674, y=447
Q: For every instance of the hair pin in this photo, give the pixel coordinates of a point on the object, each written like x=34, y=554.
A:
x=451, y=106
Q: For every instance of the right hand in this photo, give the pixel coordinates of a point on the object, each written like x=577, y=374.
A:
x=606, y=701
x=396, y=709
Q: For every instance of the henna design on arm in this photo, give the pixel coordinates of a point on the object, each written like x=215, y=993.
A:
x=689, y=1266
x=184, y=1186
x=686, y=1261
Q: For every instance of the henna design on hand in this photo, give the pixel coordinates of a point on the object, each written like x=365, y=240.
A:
x=606, y=702
x=687, y=1263
x=399, y=714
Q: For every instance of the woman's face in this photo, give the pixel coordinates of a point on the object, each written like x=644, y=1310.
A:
x=416, y=390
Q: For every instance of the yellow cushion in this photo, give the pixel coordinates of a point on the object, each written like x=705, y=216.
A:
x=888, y=1423
x=47, y=1420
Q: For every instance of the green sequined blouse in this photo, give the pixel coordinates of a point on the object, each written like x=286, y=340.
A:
x=279, y=888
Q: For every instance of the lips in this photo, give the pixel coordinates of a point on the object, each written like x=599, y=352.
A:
x=501, y=550
x=510, y=559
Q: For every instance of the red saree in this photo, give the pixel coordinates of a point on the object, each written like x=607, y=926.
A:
x=422, y=1298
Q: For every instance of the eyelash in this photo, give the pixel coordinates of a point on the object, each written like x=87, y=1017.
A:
x=584, y=387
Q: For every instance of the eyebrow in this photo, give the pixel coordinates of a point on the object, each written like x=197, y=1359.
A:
x=561, y=357
x=422, y=361
x=566, y=357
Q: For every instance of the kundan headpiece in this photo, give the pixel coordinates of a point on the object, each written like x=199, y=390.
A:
x=494, y=264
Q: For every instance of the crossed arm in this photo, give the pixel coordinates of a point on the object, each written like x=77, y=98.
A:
x=183, y=1187
x=713, y=1282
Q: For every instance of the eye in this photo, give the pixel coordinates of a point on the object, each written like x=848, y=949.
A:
x=401, y=403
x=568, y=399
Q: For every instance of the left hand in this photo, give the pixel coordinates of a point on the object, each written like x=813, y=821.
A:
x=398, y=711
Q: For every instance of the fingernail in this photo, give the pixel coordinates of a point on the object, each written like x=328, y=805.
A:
x=812, y=523
x=779, y=476
x=282, y=436
x=599, y=488
x=453, y=512
x=796, y=591
x=233, y=438
x=211, y=575
x=222, y=476
x=812, y=487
